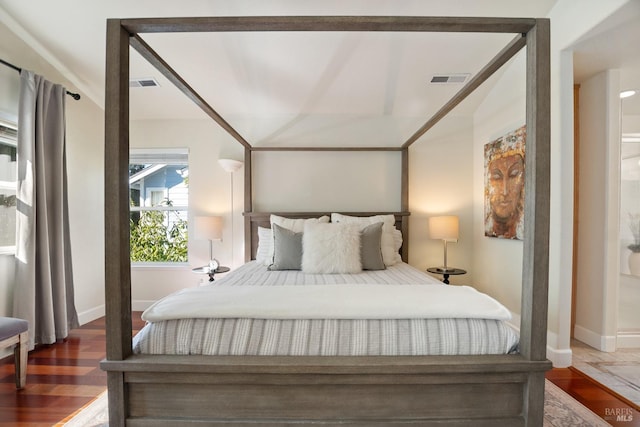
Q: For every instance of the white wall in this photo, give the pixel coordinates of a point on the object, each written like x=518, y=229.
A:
x=441, y=183
x=321, y=181
x=497, y=263
x=85, y=173
x=599, y=154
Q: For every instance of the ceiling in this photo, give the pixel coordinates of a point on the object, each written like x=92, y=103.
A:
x=276, y=88
x=613, y=44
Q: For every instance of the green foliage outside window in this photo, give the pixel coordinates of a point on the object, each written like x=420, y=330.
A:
x=154, y=240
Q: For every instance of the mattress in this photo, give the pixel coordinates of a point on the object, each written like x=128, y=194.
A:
x=335, y=336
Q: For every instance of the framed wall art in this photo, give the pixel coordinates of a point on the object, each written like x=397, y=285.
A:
x=504, y=176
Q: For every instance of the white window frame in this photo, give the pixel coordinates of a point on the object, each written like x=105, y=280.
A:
x=158, y=155
x=9, y=185
x=149, y=196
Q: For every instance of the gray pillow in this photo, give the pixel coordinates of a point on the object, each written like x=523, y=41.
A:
x=370, y=247
x=287, y=249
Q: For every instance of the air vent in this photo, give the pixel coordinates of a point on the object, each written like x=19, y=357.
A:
x=143, y=82
x=450, y=78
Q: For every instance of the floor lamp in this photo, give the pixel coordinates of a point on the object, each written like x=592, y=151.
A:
x=445, y=228
x=230, y=165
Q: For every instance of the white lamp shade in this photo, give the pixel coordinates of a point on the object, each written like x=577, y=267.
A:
x=208, y=227
x=444, y=227
x=230, y=165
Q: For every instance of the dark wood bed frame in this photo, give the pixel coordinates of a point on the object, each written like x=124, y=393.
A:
x=146, y=390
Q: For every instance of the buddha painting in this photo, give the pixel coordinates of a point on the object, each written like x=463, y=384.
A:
x=504, y=186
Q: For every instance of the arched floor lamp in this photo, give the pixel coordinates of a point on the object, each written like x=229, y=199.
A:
x=230, y=165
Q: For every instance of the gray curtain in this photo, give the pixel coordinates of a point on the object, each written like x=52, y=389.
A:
x=43, y=292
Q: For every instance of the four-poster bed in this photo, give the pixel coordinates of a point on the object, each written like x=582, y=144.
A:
x=483, y=390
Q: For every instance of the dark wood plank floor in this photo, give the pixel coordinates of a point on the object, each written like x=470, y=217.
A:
x=63, y=377
x=614, y=409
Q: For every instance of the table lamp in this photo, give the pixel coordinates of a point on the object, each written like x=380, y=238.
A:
x=209, y=228
x=445, y=228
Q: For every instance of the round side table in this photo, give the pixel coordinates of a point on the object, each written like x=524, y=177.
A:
x=206, y=270
x=450, y=271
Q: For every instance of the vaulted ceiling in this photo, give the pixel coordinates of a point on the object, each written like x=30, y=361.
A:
x=275, y=88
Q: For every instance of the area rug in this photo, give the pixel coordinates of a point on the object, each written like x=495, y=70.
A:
x=94, y=414
x=560, y=410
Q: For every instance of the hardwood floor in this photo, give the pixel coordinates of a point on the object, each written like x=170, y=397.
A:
x=613, y=408
x=63, y=377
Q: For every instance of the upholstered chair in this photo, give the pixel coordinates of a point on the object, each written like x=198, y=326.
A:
x=15, y=332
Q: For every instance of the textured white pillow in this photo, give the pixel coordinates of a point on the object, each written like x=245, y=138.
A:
x=397, y=240
x=331, y=248
x=265, y=245
x=293, y=224
x=388, y=243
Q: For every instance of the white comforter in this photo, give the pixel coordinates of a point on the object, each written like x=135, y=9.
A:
x=342, y=301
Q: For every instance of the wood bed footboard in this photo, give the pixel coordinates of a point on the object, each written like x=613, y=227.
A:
x=367, y=391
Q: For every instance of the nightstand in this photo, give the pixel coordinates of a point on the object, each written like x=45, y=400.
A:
x=446, y=273
x=206, y=270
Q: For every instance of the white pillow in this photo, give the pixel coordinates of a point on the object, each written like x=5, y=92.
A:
x=265, y=245
x=388, y=242
x=294, y=224
x=331, y=248
x=397, y=240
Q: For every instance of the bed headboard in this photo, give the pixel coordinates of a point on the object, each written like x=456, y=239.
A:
x=253, y=220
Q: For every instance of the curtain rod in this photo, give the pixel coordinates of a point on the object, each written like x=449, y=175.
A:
x=75, y=96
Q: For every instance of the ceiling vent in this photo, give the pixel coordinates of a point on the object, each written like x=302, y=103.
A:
x=450, y=78
x=143, y=82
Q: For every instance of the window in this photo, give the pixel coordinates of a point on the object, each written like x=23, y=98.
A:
x=159, y=197
x=8, y=187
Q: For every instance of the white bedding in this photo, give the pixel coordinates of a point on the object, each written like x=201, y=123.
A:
x=254, y=311
x=344, y=301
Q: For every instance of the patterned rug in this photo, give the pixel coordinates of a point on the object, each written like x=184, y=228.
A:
x=560, y=410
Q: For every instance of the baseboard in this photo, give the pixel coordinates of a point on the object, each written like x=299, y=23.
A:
x=91, y=314
x=99, y=311
x=560, y=358
x=628, y=340
x=595, y=340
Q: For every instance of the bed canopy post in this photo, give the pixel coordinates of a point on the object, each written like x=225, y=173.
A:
x=536, y=241
x=248, y=200
x=117, y=263
x=535, y=276
x=404, y=199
